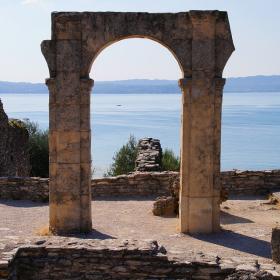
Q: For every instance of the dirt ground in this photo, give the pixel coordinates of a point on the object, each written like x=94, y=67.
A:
x=246, y=226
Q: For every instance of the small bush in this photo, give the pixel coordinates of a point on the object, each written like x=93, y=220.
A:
x=124, y=159
x=38, y=147
x=170, y=162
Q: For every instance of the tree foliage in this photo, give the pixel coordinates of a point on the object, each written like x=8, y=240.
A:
x=124, y=158
x=38, y=149
x=170, y=162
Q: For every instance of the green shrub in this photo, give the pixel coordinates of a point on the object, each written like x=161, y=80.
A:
x=170, y=162
x=124, y=159
x=38, y=149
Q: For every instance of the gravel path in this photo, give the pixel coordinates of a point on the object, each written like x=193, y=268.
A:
x=246, y=224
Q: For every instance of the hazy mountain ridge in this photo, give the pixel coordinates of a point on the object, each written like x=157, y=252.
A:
x=240, y=84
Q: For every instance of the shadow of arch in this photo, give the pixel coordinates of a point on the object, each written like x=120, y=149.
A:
x=228, y=219
x=239, y=242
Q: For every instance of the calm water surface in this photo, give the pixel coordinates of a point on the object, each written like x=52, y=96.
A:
x=250, y=124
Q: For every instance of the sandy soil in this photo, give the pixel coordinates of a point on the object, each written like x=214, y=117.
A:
x=246, y=226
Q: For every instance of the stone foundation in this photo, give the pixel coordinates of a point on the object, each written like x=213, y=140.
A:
x=59, y=258
x=142, y=184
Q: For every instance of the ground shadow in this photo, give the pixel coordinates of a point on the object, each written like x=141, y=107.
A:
x=22, y=203
x=94, y=234
x=248, y=196
x=125, y=198
x=238, y=242
x=228, y=219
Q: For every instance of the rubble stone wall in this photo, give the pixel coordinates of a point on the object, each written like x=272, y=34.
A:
x=141, y=184
x=24, y=188
x=149, y=155
x=72, y=259
x=14, y=156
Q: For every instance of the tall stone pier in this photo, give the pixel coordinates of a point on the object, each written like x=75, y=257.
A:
x=201, y=43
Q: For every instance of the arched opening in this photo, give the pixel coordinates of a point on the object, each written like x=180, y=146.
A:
x=135, y=93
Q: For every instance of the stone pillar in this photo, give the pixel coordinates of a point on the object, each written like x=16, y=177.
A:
x=200, y=155
x=70, y=157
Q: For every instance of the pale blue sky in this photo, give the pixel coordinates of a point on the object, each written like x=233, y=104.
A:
x=255, y=26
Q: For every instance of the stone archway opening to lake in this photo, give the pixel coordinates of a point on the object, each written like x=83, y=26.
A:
x=138, y=96
x=202, y=43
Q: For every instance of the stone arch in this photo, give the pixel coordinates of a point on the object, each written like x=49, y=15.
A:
x=201, y=42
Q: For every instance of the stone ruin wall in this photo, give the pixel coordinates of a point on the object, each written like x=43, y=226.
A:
x=14, y=156
x=141, y=184
x=71, y=258
x=149, y=155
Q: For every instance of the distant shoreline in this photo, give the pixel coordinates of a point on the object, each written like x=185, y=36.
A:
x=241, y=84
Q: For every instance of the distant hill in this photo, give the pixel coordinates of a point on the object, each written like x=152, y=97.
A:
x=253, y=83
x=241, y=84
x=20, y=87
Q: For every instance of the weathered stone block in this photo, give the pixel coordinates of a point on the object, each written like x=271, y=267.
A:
x=68, y=147
x=200, y=215
x=68, y=117
x=68, y=178
x=68, y=55
x=67, y=88
x=67, y=28
x=164, y=206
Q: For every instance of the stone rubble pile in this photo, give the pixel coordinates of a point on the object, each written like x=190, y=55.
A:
x=149, y=155
x=168, y=205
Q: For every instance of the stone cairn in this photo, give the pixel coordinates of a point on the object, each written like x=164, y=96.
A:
x=149, y=155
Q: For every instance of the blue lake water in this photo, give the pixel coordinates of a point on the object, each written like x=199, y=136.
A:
x=250, y=124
